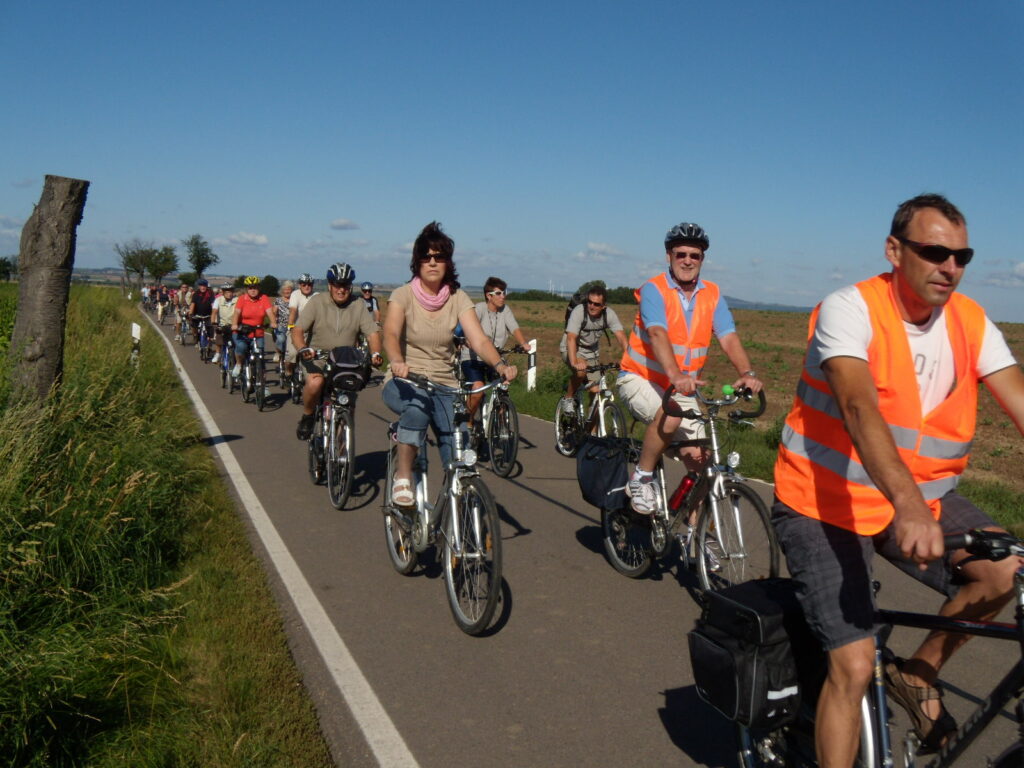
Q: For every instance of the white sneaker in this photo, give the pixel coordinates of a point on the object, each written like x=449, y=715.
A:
x=177, y=337
x=237, y=370
x=644, y=495
x=216, y=358
x=277, y=357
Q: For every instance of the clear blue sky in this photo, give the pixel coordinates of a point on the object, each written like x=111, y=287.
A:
x=556, y=141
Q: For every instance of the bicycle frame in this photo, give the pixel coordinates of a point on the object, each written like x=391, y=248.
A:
x=1010, y=687
x=603, y=396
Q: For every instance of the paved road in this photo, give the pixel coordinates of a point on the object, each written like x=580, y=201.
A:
x=584, y=666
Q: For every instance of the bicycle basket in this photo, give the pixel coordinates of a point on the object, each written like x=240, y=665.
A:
x=348, y=368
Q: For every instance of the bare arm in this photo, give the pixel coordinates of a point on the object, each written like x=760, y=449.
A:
x=918, y=535
x=394, y=322
x=572, y=350
x=620, y=336
x=479, y=343
x=1007, y=386
x=519, y=337
x=733, y=348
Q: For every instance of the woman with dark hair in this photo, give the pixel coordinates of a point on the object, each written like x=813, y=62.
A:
x=418, y=337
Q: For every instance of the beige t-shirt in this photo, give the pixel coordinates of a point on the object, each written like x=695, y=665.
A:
x=427, y=343
x=326, y=325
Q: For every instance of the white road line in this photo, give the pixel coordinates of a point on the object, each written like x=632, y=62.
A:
x=385, y=741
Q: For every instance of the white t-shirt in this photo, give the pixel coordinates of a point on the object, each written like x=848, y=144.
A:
x=844, y=330
x=298, y=301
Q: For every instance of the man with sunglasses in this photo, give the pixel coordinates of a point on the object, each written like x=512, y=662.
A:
x=499, y=324
x=296, y=302
x=872, y=451
x=371, y=301
x=669, y=345
x=580, y=344
x=329, y=320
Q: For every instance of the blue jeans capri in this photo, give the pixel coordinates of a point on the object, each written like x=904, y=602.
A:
x=418, y=409
x=242, y=346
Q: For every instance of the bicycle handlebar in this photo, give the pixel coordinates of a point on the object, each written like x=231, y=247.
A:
x=672, y=408
x=602, y=367
x=422, y=381
x=986, y=545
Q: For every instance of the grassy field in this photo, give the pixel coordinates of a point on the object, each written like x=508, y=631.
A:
x=776, y=342
x=136, y=623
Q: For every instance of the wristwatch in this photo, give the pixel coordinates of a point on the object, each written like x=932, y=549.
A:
x=751, y=374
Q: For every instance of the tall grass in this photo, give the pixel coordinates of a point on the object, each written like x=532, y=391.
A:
x=103, y=519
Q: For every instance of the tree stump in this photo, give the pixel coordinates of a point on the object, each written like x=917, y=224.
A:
x=46, y=259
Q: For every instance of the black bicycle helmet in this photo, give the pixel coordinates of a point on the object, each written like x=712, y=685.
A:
x=687, y=234
x=340, y=272
x=306, y=278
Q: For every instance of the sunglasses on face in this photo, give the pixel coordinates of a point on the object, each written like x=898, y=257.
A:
x=938, y=254
x=595, y=304
x=342, y=286
x=691, y=256
x=496, y=292
x=438, y=257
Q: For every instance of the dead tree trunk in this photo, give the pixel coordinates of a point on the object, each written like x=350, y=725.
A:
x=45, y=262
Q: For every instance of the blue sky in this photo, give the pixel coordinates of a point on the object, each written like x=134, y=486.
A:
x=556, y=141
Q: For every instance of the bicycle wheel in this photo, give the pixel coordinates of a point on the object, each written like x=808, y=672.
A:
x=397, y=528
x=295, y=385
x=339, y=459
x=627, y=542
x=473, y=574
x=224, y=373
x=740, y=545
x=1013, y=757
x=260, y=386
x=503, y=437
x=314, y=449
x=614, y=420
x=567, y=428
x=245, y=382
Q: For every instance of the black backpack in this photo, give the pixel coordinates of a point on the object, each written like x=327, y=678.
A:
x=742, y=652
x=348, y=368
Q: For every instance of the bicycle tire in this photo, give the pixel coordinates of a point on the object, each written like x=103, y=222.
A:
x=260, y=388
x=627, y=543
x=339, y=458
x=567, y=428
x=1012, y=757
x=721, y=559
x=314, y=450
x=295, y=385
x=224, y=376
x=503, y=436
x=245, y=382
x=473, y=577
x=397, y=534
x=614, y=420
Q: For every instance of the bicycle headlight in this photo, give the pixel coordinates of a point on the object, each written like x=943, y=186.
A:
x=343, y=399
x=469, y=457
x=733, y=459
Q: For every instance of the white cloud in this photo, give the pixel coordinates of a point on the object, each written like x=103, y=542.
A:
x=1012, y=279
x=10, y=221
x=248, y=238
x=836, y=276
x=344, y=224
x=23, y=183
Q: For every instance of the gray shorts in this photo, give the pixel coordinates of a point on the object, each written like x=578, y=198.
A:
x=833, y=566
x=590, y=358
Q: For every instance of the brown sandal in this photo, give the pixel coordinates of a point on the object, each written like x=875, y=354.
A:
x=932, y=733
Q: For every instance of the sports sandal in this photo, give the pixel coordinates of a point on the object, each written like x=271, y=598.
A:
x=401, y=494
x=931, y=732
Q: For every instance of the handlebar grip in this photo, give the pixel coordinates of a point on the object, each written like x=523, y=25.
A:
x=417, y=378
x=761, y=404
x=671, y=407
x=958, y=541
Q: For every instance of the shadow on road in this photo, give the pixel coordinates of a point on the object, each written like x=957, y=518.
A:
x=218, y=439
x=507, y=517
x=705, y=736
x=366, y=483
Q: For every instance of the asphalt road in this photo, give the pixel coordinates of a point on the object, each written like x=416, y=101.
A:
x=583, y=666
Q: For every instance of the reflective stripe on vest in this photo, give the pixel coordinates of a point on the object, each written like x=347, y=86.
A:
x=690, y=356
x=818, y=472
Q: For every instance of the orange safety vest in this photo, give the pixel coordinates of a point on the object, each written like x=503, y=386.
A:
x=818, y=472
x=690, y=355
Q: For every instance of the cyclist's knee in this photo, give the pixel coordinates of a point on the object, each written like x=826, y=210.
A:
x=851, y=666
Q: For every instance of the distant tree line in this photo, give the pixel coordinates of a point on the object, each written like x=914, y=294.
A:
x=140, y=258
x=621, y=295
x=8, y=267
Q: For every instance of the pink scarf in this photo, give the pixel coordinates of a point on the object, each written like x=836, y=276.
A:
x=429, y=302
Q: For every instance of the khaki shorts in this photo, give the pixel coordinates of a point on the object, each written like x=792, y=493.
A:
x=593, y=377
x=290, y=351
x=643, y=399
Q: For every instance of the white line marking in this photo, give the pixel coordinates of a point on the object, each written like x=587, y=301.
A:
x=385, y=741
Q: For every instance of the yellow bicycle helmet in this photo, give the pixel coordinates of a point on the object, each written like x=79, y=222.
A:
x=252, y=282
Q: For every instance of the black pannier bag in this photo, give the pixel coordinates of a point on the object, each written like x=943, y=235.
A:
x=602, y=471
x=742, y=652
x=348, y=368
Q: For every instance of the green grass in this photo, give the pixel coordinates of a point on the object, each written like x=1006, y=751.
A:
x=135, y=622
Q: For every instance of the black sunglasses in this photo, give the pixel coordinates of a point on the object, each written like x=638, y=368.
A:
x=937, y=254
x=438, y=257
x=597, y=304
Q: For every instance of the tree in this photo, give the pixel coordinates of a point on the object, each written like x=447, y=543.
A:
x=161, y=263
x=270, y=285
x=133, y=258
x=200, y=255
x=582, y=290
x=188, y=278
x=46, y=259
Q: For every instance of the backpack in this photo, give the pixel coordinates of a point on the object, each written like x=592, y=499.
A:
x=742, y=652
x=602, y=471
x=348, y=368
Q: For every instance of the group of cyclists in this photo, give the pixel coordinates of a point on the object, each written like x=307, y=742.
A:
x=877, y=437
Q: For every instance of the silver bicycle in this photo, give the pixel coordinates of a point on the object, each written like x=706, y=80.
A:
x=604, y=416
